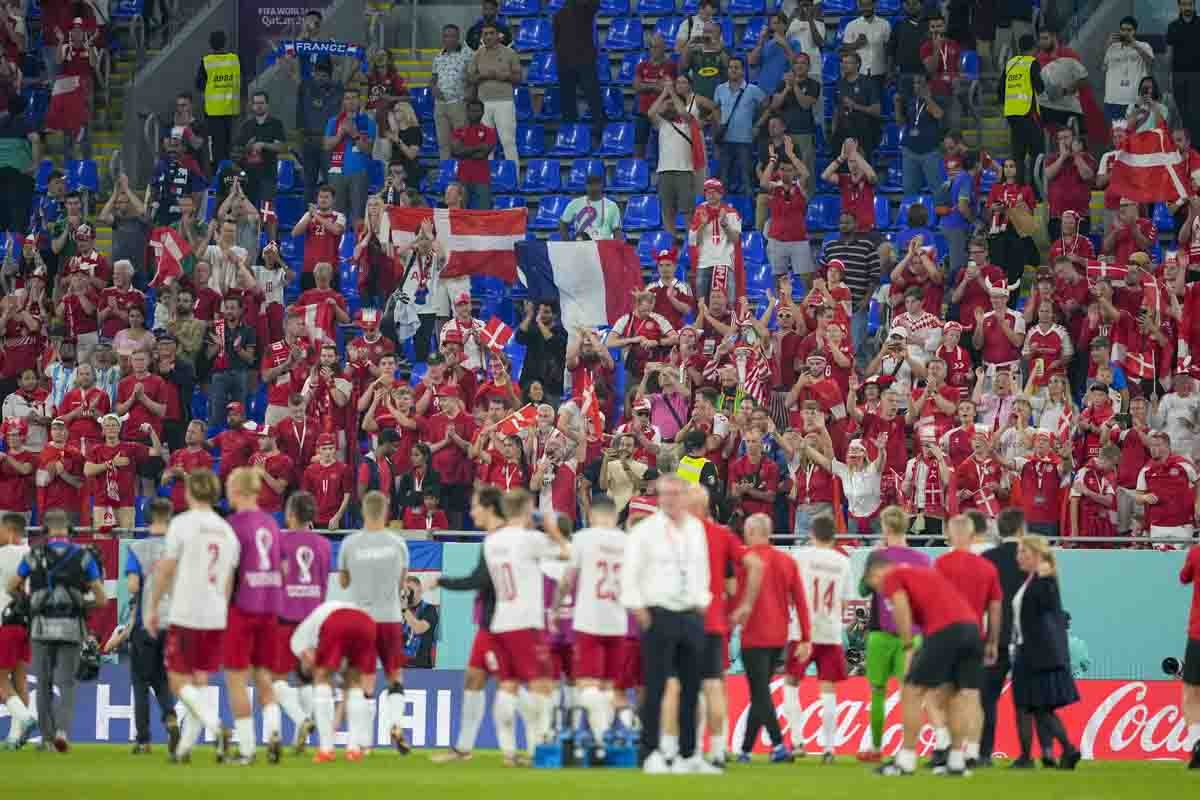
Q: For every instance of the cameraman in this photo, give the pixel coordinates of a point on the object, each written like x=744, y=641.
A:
x=420, y=625
x=61, y=576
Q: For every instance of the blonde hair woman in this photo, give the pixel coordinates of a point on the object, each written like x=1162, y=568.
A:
x=1041, y=681
x=399, y=140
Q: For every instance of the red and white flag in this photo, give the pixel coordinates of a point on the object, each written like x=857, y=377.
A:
x=68, y=111
x=521, y=419
x=985, y=500
x=477, y=242
x=318, y=319
x=170, y=249
x=589, y=404
x=1138, y=365
x=1147, y=168
x=1066, y=425
x=496, y=334
x=1097, y=270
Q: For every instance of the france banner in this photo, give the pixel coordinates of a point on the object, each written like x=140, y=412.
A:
x=314, y=49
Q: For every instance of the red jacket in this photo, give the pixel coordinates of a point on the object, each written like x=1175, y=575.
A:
x=781, y=589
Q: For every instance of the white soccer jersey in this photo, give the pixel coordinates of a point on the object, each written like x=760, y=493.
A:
x=597, y=555
x=11, y=556
x=825, y=575
x=512, y=556
x=206, y=553
x=270, y=283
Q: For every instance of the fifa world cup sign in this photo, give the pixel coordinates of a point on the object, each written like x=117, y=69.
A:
x=262, y=25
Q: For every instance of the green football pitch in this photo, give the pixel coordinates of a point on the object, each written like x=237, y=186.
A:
x=99, y=772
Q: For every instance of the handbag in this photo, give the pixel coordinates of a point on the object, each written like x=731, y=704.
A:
x=719, y=135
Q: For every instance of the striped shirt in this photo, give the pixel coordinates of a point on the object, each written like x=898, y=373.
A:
x=862, y=264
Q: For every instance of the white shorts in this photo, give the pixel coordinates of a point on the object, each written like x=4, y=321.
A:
x=441, y=296
x=1171, y=531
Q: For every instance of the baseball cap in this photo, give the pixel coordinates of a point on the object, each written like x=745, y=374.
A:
x=235, y=407
x=448, y=391
x=898, y=333
x=664, y=255
x=952, y=326
x=836, y=263
x=713, y=184
x=463, y=297
x=326, y=440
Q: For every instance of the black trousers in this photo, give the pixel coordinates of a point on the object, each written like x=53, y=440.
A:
x=672, y=645
x=220, y=131
x=17, y=189
x=759, y=662
x=993, y=685
x=1027, y=139
x=1187, y=96
x=147, y=672
x=570, y=79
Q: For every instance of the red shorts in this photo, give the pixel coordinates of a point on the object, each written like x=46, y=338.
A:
x=284, y=660
x=250, y=640
x=562, y=661
x=830, y=660
x=599, y=657
x=524, y=655
x=14, y=646
x=389, y=645
x=347, y=635
x=484, y=653
x=188, y=650
x=631, y=665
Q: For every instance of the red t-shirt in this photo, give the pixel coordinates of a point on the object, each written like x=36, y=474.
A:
x=17, y=490
x=958, y=365
x=382, y=346
x=941, y=82
x=451, y=462
x=208, y=301
x=79, y=320
x=418, y=519
x=725, y=550
x=155, y=389
x=237, y=446
x=897, y=444
x=975, y=296
x=187, y=460
x=126, y=298
x=781, y=589
x=85, y=427
x=58, y=493
x=320, y=245
x=1124, y=246
x=858, y=199
x=328, y=485
x=975, y=578
x=1041, y=491
x=1068, y=191
x=503, y=474
x=935, y=602
x=287, y=383
x=474, y=170
x=298, y=441
x=764, y=476
x=649, y=72
x=789, y=215
x=1191, y=574
x=278, y=466
x=123, y=477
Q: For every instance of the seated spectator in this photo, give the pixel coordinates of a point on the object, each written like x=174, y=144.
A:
x=1069, y=174
x=592, y=216
x=857, y=184
x=472, y=145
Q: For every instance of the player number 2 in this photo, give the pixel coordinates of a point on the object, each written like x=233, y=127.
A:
x=214, y=555
x=609, y=580
x=822, y=602
x=507, y=584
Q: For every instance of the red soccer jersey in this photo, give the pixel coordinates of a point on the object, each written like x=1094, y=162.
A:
x=959, y=366
x=1068, y=191
x=504, y=475
x=319, y=244
x=314, y=296
x=781, y=589
x=85, y=427
x=1134, y=455
x=858, y=198
x=725, y=551
x=298, y=441
x=279, y=467
x=117, y=487
x=154, y=388
x=931, y=414
x=187, y=460
x=328, y=484
x=1041, y=491
x=1191, y=574
x=1009, y=194
x=23, y=347
x=475, y=170
x=1172, y=481
x=291, y=382
x=78, y=319
x=975, y=578
x=975, y=295
x=373, y=351
x=208, y=302
x=1124, y=245
x=763, y=476
x=1048, y=347
x=94, y=265
x=124, y=299
x=997, y=347
x=562, y=489
x=789, y=212
x=897, y=443
x=236, y=447
x=57, y=493
x=451, y=462
x=510, y=393
x=649, y=72
x=982, y=480
x=17, y=490
x=813, y=485
x=935, y=602
x=662, y=303
x=418, y=519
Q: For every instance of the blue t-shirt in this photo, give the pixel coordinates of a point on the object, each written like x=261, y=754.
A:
x=774, y=64
x=739, y=121
x=906, y=235
x=922, y=133
x=961, y=188
x=355, y=160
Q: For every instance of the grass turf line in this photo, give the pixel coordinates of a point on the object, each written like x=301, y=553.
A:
x=100, y=772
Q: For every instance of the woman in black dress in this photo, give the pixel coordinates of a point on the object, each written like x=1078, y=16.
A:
x=1041, y=682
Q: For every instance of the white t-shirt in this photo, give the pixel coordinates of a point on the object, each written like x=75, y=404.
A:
x=206, y=552
x=874, y=56
x=1124, y=68
x=825, y=575
x=1175, y=416
x=674, y=150
x=597, y=554
x=862, y=488
x=512, y=556
x=801, y=31
x=308, y=633
x=270, y=283
x=11, y=556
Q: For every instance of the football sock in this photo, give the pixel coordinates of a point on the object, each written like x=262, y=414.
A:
x=19, y=714
x=718, y=741
x=971, y=749
x=358, y=712
x=941, y=738
x=907, y=760
x=598, y=704
x=504, y=710
x=828, y=720
x=191, y=697
x=272, y=721
x=305, y=694
x=395, y=708
x=323, y=713
x=791, y=712
x=244, y=728
x=288, y=698
x=956, y=760
x=473, y=708
x=189, y=734
x=668, y=745
x=878, y=713
x=627, y=717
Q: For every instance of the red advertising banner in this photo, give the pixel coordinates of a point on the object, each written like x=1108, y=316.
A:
x=1114, y=720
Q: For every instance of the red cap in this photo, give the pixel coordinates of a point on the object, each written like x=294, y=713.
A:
x=235, y=407
x=715, y=185
x=448, y=391
x=463, y=297
x=326, y=440
x=664, y=255
x=643, y=504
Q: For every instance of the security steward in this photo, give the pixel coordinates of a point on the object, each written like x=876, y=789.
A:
x=220, y=78
x=64, y=582
x=695, y=468
x=1018, y=91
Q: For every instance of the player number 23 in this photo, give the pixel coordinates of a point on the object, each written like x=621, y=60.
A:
x=609, y=580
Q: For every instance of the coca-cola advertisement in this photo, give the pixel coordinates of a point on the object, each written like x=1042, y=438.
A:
x=1126, y=720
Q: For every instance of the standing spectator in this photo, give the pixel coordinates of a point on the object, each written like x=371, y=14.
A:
x=1126, y=62
x=1182, y=35
x=693, y=30
x=175, y=178
x=920, y=158
x=384, y=85
x=29, y=406
x=680, y=150
x=77, y=58
x=905, y=48
x=195, y=132
x=349, y=139
x=783, y=179
x=545, y=343
x=318, y=99
x=650, y=78
x=231, y=348
x=715, y=231
x=942, y=58
x=449, y=85
x=959, y=222
x=592, y=216
x=1018, y=90
x=261, y=138
x=858, y=108
x=739, y=102
x=705, y=61
x=472, y=145
x=1069, y=175
x=494, y=71
x=1130, y=233
x=575, y=51
x=868, y=35
x=857, y=184
x=859, y=260
x=126, y=215
x=797, y=103
x=20, y=155
x=220, y=78
x=1065, y=76
x=774, y=54
x=808, y=29
x=322, y=228
x=1010, y=249
x=180, y=378
x=489, y=17
x=399, y=141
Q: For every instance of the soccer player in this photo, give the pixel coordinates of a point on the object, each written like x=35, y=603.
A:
x=487, y=515
x=250, y=635
x=307, y=560
x=765, y=634
x=374, y=566
x=518, y=624
x=885, y=658
x=14, y=636
x=197, y=572
x=600, y=621
x=978, y=582
x=949, y=662
x=1191, y=660
x=331, y=634
x=825, y=574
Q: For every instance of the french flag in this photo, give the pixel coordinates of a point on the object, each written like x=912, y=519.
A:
x=477, y=242
x=592, y=281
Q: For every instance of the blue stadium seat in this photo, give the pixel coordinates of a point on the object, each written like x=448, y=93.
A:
x=531, y=140
x=572, y=140
x=523, y=102
x=890, y=143
x=893, y=178
x=614, y=103
x=289, y=208
x=83, y=175
x=551, y=108
x=534, y=35
x=617, y=140
x=831, y=68
x=624, y=33
x=726, y=24
x=668, y=27
x=429, y=145
x=883, y=213
x=744, y=7
x=691, y=7
x=346, y=247
x=421, y=98
x=910, y=200
x=438, y=178
x=520, y=8
x=291, y=247
x=630, y=175
x=754, y=28
x=543, y=70
x=541, y=176
x=650, y=243
x=887, y=103
x=819, y=210
x=642, y=213
x=987, y=179
x=287, y=177
x=655, y=8
x=603, y=70
x=886, y=7
x=504, y=176
x=969, y=65
x=375, y=176
x=614, y=8
x=553, y=5
x=508, y=201
x=1162, y=219
x=628, y=67
x=549, y=211
x=45, y=167
x=754, y=248
x=581, y=170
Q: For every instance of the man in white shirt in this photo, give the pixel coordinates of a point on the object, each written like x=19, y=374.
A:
x=692, y=29
x=518, y=624
x=715, y=234
x=868, y=34
x=1126, y=62
x=664, y=582
x=197, y=572
x=1177, y=414
x=808, y=28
